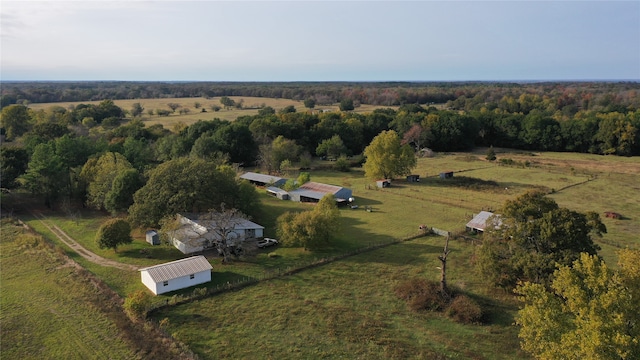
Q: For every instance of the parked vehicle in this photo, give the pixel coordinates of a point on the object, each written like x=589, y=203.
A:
x=266, y=242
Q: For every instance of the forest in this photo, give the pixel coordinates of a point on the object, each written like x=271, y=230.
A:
x=42, y=145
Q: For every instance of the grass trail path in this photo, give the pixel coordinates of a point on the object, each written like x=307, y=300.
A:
x=75, y=246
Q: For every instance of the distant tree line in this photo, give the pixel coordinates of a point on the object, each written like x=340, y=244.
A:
x=568, y=97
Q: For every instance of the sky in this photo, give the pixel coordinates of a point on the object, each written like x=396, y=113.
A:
x=319, y=40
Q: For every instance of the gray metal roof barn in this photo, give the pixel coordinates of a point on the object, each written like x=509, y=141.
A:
x=313, y=192
x=263, y=179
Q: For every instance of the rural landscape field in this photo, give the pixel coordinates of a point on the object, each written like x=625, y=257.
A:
x=337, y=298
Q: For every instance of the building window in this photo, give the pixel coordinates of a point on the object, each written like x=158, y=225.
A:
x=192, y=276
x=165, y=283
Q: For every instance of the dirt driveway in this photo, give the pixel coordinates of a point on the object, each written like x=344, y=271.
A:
x=75, y=246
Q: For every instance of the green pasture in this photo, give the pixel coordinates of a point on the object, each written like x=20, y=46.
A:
x=347, y=308
x=251, y=107
x=36, y=318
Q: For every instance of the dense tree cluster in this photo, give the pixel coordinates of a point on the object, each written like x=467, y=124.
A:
x=63, y=152
x=531, y=237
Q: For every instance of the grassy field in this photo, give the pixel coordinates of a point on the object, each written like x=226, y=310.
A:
x=36, y=318
x=251, y=107
x=347, y=308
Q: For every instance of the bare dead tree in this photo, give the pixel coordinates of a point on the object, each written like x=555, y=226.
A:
x=223, y=224
x=443, y=268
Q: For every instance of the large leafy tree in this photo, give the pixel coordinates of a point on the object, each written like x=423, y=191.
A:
x=123, y=186
x=332, y=148
x=113, y=233
x=310, y=229
x=589, y=312
x=386, y=157
x=190, y=185
x=535, y=235
x=46, y=173
x=13, y=163
x=15, y=119
x=99, y=174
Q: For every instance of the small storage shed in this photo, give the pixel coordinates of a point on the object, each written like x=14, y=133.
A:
x=277, y=192
x=177, y=274
x=413, y=178
x=481, y=221
x=446, y=174
x=152, y=237
x=383, y=183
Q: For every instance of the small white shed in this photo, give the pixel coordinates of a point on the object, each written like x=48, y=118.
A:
x=177, y=274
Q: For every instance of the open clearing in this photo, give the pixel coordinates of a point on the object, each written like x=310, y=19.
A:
x=251, y=107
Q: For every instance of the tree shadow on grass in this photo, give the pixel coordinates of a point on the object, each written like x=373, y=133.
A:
x=165, y=253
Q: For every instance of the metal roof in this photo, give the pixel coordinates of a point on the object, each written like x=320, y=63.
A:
x=276, y=190
x=479, y=222
x=262, y=178
x=321, y=188
x=309, y=193
x=178, y=268
x=238, y=223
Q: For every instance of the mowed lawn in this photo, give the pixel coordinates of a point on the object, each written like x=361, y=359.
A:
x=46, y=312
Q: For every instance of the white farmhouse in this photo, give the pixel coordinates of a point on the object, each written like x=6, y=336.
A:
x=194, y=234
x=177, y=274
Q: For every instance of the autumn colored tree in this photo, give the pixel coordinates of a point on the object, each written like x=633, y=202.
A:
x=589, y=312
x=312, y=229
x=386, y=157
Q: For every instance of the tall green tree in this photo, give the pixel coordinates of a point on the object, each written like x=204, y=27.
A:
x=332, y=148
x=534, y=235
x=190, y=185
x=589, y=312
x=13, y=163
x=112, y=233
x=99, y=176
x=387, y=158
x=15, y=119
x=120, y=196
x=46, y=173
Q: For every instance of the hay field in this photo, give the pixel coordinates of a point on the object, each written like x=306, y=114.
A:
x=251, y=107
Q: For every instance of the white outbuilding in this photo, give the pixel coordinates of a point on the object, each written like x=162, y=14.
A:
x=177, y=274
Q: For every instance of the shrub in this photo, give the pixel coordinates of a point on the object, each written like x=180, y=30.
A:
x=464, y=310
x=137, y=304
x=422, y=295
x=342, y=164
